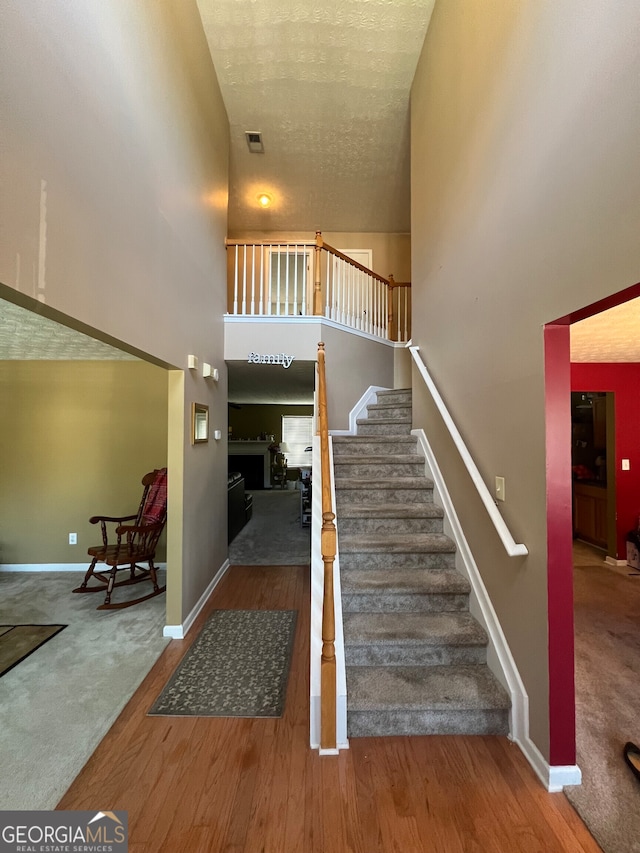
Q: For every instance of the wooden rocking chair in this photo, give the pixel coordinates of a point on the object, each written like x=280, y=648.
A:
x=133, y=543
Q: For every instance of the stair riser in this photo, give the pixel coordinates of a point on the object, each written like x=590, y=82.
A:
x=372, y=448
x=397, y=603
x=403, y=397
x=382, y=428
x=450, y=722
x=368, y=560
x=349, y=470
x=385, y=654
x=388, y=413
x=389, y=525
x=346, y=496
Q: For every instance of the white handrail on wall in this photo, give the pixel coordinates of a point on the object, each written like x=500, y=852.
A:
x=513, y=548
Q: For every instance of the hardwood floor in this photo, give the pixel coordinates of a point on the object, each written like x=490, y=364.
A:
x=207, y=785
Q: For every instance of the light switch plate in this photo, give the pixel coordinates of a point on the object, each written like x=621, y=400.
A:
x=499, y=488
x=625, y=465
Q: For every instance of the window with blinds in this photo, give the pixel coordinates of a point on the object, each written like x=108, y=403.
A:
x=297, y=435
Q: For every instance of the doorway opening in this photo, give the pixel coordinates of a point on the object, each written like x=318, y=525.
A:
x=560, y=367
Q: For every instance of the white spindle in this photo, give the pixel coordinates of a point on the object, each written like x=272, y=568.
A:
x=235, y=285
x=304, y=285
x=263, y=257
x=328, y=294
x=244, y=280
x=253, y=279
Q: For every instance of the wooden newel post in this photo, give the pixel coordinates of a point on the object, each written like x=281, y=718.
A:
x=392, y=320
x=328, y=661
x=317, y=281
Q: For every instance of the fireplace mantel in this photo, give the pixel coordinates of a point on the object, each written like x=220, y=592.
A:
x=254, y=448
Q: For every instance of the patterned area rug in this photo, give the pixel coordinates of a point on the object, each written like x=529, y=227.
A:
x=17, y=642
x=237, y=667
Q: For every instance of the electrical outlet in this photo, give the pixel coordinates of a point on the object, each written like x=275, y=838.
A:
x=500, y=488
x=73, y=539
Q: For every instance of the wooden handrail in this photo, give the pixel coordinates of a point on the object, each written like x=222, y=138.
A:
x=328, y=547
x=338, y=254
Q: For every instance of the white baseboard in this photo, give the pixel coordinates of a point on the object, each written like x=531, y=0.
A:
x=179, y=632
x=555, y=777
x=44, y=567
x=53, y=567
x=620, y=567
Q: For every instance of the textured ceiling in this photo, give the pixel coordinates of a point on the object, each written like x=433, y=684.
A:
x=613, y=335
x=328, y=88
x=26, y=336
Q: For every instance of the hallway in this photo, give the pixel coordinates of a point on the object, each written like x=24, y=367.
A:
x=247, y=785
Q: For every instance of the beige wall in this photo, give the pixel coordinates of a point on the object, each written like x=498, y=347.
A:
x=76, y=438
x=525, y=205
x=113, y=210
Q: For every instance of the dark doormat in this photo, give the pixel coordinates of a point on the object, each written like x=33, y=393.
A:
x=237, y=667
x=17, y=642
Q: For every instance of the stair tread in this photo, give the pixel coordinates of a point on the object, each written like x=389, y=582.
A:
x=366, y=439
x=401, y=419
x=389, y=404
x=386, y=483
x=375, y=459
x=413, y=629
x=455, y=687
x=397, y=544
x=399, y=510
x=403, y=581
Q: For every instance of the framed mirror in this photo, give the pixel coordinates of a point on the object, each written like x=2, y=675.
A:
x=199, y=423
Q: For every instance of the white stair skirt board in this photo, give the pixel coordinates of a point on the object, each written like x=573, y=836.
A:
x=317, y=592
x=360, y=410
x=54, y=567
x=179, y=632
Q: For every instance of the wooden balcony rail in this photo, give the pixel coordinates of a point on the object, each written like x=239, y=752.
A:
x=328, y=546
x=303, y=278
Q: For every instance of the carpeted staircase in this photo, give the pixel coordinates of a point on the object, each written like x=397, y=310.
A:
x=416, y=658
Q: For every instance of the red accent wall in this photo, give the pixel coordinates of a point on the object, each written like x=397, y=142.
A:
x=624, y=381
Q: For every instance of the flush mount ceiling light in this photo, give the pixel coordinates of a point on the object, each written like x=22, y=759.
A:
x=264, y=200
x=254, y=141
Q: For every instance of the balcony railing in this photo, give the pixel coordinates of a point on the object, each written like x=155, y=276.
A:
x=291, y=279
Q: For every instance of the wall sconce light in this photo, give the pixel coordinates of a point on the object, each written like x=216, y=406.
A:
x=264, y=200
x=217, y=434
x=192, y=361
x=210, y=372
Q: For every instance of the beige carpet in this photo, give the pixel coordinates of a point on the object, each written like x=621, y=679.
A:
x=56, y=706
x=607, y=632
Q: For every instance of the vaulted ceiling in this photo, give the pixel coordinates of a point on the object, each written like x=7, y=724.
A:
x=327, y=86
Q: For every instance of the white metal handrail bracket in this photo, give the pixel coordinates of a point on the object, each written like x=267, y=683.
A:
x=513, y=548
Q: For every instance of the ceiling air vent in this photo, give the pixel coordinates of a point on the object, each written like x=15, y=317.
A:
x=254, y=141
